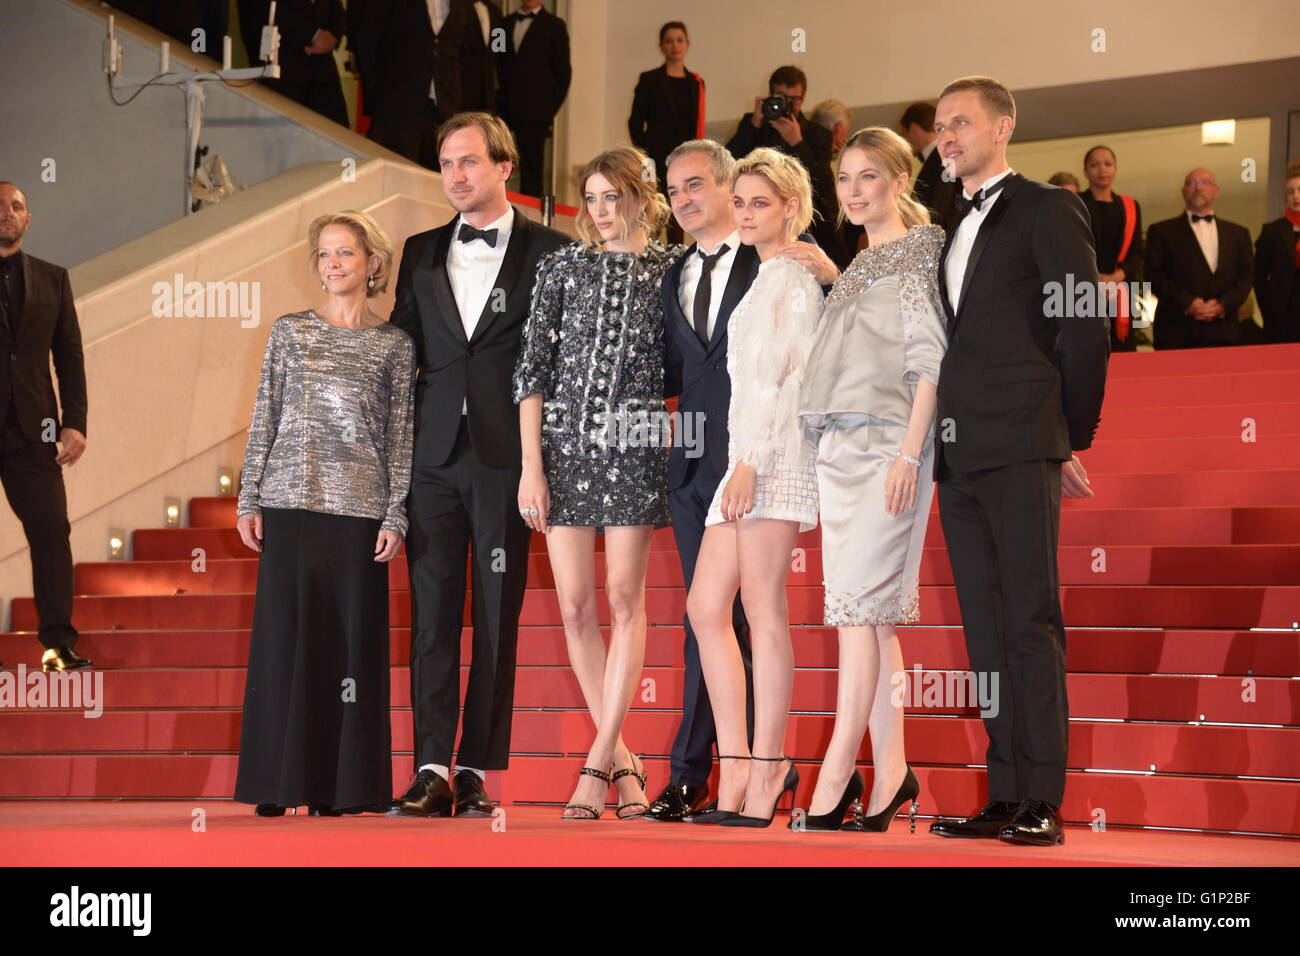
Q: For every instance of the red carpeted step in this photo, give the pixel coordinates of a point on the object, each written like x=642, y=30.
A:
x=1169, y=747
x=1250, y=806
x=1118, y=651
x=1223, y=452
x=1183, y=362
x=1122, y=564
x=1177, y=392
x=1203, y=421
x=1092, y=696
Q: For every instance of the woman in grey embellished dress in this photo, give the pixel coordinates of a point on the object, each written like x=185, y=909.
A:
x=595, y=438
x=323, y=499
x=868, y=402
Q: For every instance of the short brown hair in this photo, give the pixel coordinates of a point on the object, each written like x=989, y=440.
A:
x=673, y=25
x=632, y=173
x=787, y=76
x=997, y=99
x=500, y=141
x=918, y=114
x=1292, y=169
x=369, y=233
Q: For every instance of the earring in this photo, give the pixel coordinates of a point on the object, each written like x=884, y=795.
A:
x=322, y=285
x=371, y=281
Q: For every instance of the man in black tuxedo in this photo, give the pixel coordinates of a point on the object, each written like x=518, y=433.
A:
x=809, y=142
x=700, y=292
x=408, y=55
x=1201, y=270
x=462, y=295
x=478, y=58
x=1020, y=390
x=309, y=32
x=535, y=74
x=38, y=317
x=932, y=189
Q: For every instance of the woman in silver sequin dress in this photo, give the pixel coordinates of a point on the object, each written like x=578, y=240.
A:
x=868, y=403
x=594, y=431
x=323, y=498
x=767, y=496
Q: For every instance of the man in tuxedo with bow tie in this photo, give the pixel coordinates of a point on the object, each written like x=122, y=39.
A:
x=1201, y=269
x=463, y=292
x=1020, y=390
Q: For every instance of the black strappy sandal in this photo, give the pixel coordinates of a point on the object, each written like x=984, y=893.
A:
x=593, y=811
x=641, y=778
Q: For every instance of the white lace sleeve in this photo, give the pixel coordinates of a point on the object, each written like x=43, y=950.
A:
x=782, y=315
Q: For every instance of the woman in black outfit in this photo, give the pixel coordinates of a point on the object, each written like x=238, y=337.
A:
x=1277, y=266
x=1117, y=234
x=667, y=107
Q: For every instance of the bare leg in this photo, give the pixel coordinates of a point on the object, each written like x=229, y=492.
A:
x=709, y=606
x=859, y=662
x=888, y=759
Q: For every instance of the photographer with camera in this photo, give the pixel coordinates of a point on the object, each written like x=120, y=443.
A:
x=778, y=121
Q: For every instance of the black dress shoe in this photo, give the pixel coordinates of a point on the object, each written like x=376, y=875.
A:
x=676, y=802
x=1036, y=823
x=471, y=797
x=62, y=659
x=992, y=818
x=428, y=796
x=268, y=810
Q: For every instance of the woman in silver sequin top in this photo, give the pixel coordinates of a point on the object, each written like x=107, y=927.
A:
x=869, y=404
x=322, y=499
x=594, y=434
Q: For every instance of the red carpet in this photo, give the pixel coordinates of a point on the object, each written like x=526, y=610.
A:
x=1181, y=592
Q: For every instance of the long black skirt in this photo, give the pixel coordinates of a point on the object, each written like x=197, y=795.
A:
x=316, y=710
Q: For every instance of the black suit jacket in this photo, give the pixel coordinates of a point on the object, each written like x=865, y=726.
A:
x=398, y=56
x=655, y=124
x=1178, y=273
x=535, y=78
x=1017, y=383
x=697, y=374
x=298, y=21
x=477, y=371
x=1274, y=274
x=933, y=192
x=48, y=324
x=814, y=151
x=478, y=64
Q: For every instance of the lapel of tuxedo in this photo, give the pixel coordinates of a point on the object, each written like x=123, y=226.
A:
x=444, y=301
x=21, y=323
x=511, y=267
x=987, y=227
x=743, y=271
x=1194, y=251
x=672, y=301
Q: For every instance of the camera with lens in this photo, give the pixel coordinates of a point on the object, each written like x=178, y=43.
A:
x=777, y=105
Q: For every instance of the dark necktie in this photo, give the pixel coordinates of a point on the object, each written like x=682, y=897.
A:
x=702, y=294
x=1208, y=217
x=965, y=205
x=468, y=234
x=6, y=301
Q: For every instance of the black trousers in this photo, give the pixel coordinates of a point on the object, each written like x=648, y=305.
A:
x=1002, y=526
x=456, y=509
x=531, y=139
x=692, y=756
x=413, y=135
x=33, y=483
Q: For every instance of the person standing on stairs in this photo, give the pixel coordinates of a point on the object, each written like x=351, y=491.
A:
x=38, y=317
x=462, y=295
x=1020, y=390
x=322, y=498
x=594, y=434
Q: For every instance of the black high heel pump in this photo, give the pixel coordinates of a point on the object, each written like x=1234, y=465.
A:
x=852, y=797
x=791, y=783
x=910, y=789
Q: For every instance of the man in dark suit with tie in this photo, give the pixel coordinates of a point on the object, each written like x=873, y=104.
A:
x=463, y=292
x=535, y=74
x=1020, y=390
x=309, y=32
x=408, y=55
x=38, y=317
x=1201, y=270
x=932, y=189
x=484, y=41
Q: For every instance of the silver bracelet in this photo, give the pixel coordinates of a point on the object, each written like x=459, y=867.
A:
x=914, y=462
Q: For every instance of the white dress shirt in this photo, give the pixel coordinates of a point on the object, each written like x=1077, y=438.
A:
x=438, y=10
x=521, y=27
x=964, y=239
x=484, y=22
x=1207, y=237
x=693, y=268
x=927, y=150
x=472, y=269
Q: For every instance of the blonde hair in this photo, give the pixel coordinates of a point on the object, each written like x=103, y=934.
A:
x=373, y=240
x=893, y=153
x=788, y=178
x=632, y=174
x=500, y=141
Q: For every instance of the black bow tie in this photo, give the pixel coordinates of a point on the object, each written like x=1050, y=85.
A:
x=965, y=205
x=529, y=16
x=468, y=234
x=1208, y=217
